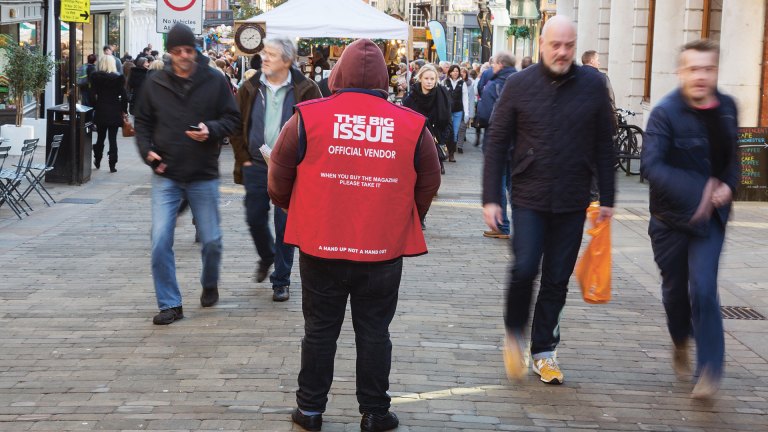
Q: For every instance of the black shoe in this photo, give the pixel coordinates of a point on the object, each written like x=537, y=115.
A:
x=442, y=169
x=262, y=271
x=376, y=422
x=167, y=316
x=209, y=297
x=308, y=422
x=280, y=294
x=112, y=168
x=460, y=150
x=97, y=163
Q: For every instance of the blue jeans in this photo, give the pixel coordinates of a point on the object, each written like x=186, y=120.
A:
x=456, y=118
x=372, y=289
x=270, y=249
x=203, y=197
x=552, y=239
x=689, y=266
x=504, y=225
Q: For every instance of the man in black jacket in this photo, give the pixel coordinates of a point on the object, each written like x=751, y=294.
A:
x=691, y=161
x=184, y=112
x=554, y=118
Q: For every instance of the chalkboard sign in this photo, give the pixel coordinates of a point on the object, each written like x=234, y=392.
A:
x=753, y=155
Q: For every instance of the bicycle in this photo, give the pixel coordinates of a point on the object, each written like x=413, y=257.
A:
x=627, y=143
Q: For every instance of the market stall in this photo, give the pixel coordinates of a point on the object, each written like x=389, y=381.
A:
x=328, y=25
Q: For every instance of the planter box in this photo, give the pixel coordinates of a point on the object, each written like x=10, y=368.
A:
x=39, y=125
x=15, y=136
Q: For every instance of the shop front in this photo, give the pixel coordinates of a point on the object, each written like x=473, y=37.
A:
x=105, y=28
x=463, y=37
x=23, y=22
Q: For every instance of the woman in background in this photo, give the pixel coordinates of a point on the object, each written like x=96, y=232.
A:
x=111, y=102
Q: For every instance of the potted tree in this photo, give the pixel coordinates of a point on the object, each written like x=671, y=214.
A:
x=18, y=70
x=41, y=67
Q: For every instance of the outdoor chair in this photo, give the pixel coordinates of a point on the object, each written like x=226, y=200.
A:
x=11, y=178
x=36, y=172
x=5, y=197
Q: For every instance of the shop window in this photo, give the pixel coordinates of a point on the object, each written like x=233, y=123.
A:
x=113, y=32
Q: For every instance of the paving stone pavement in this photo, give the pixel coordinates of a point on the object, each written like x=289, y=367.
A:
x=78, y=350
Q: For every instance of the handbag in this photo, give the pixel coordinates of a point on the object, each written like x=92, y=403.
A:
x=442, y=151
x=128, y=130
x=593, y=270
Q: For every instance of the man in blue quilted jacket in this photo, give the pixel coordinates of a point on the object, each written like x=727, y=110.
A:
x=690, y=160
x=554, y=119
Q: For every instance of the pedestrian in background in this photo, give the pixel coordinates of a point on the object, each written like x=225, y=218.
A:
x=554, y=119
x=464, y=74
x=592, y=58
x=136, y=80
x=184, y=112
x=110, y=103
x=457, y=88
x=266, y=102
x=327, y=219
x=84, y=79
x=503, y=67
x=691, y=162
x=108, y=50
x=433, y=102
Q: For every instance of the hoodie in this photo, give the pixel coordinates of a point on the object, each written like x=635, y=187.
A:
x=360, y=68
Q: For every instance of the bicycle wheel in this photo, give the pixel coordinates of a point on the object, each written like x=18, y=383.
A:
x=629, y=158
x=619, y=144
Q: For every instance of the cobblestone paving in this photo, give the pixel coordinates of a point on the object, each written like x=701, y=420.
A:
x=78, y=350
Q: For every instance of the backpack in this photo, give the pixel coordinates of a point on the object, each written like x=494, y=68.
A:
x=82, y=76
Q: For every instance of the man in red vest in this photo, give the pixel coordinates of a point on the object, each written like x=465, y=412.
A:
x=356, y=174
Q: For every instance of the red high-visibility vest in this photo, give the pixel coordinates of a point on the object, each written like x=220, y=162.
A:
x=353, y=197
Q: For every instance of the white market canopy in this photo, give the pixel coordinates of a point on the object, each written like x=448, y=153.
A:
x=352, y=19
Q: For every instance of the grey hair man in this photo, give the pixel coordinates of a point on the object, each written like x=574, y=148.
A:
x=266, y=102
x=552, y=114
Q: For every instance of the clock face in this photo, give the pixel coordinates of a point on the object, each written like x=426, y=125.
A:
x=249, y=38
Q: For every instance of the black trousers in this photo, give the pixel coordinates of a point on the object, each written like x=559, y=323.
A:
x=372, y=289
x=98, y=148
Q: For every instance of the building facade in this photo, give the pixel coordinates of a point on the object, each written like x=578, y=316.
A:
x=638, y=42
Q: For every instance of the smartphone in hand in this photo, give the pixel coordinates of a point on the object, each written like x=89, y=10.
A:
x=194, y=128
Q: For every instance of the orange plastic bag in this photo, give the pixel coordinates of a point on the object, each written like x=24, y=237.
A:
x=593, y=270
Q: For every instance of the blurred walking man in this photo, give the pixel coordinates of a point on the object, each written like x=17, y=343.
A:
x=342, y=165
x=185, y=162
x=690, y=160
x=554, y=119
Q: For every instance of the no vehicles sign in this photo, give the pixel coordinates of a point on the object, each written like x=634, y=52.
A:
x=189, y=12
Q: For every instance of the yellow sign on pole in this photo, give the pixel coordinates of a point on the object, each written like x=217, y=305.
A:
x=75, y=11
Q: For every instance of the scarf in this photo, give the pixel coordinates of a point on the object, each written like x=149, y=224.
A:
x=435, y=105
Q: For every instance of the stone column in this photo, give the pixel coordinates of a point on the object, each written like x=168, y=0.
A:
x=669, y=35
x=588, y=27
x=567, y=8
x=740, y=69
x=620, y=61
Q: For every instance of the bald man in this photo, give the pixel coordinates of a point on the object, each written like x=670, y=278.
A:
x=554, y=118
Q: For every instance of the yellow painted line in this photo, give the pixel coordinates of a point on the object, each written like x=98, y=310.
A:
x=229, y=190
x=439, y=203
x=439, y=394
x=630, y=217
x=761, y=225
